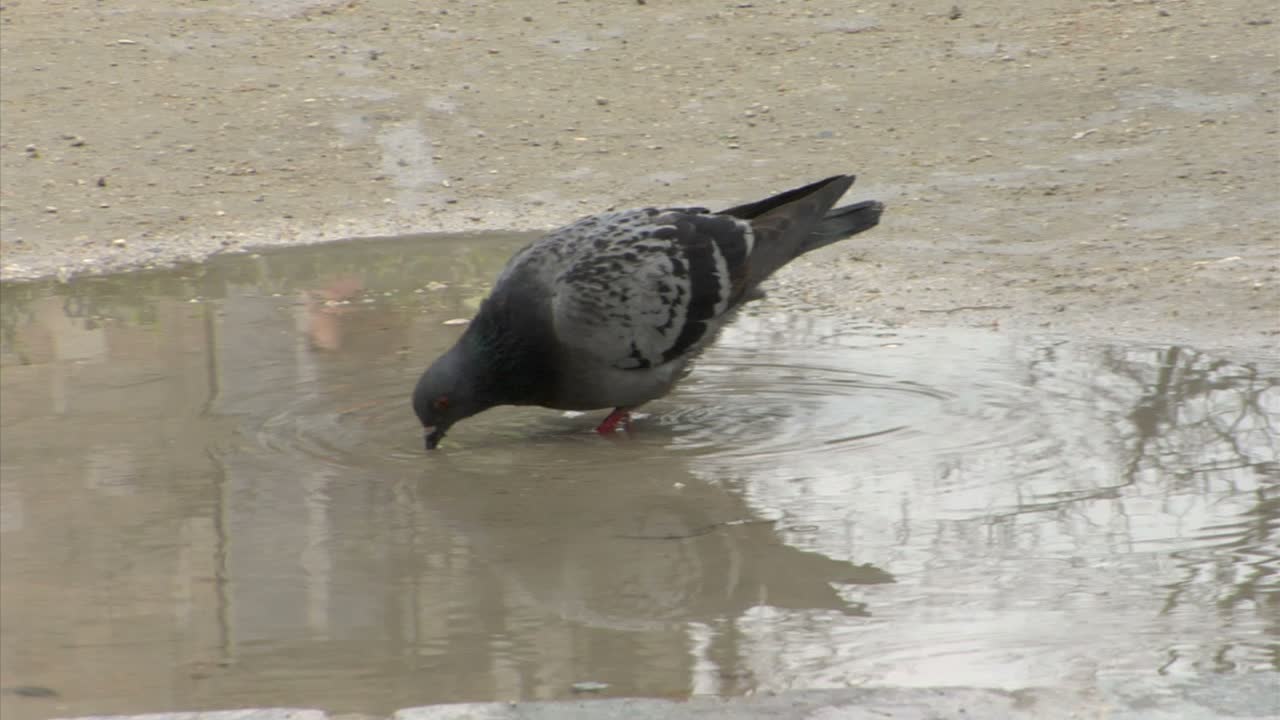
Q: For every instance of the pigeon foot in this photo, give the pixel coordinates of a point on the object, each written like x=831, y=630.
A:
x=619, y=416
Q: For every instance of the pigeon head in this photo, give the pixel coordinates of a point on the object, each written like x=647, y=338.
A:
x=445, y=394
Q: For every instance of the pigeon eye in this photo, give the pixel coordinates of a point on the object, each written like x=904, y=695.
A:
x=441, y=403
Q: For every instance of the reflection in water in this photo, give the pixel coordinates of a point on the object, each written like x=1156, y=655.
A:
x=213, y=495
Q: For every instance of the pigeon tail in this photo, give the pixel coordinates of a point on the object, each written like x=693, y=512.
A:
x=843, y=222
x=782, y=224
x=836, y=185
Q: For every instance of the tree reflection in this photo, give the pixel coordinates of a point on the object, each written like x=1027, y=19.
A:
x=1184, y=418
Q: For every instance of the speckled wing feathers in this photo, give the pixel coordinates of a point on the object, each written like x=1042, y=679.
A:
x=643, y=287
x=646, y=288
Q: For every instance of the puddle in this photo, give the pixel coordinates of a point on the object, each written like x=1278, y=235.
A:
x=214, y=496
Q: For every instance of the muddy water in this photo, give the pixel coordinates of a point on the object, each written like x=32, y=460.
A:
x=214, y=495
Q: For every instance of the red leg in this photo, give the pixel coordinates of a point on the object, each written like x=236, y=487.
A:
x=619, y=416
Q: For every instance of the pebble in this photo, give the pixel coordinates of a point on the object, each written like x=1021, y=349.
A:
x=456, y=321
x=589, y=686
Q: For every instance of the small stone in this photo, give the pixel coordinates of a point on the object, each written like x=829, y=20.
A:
x=455, y=321
x=589, y=686
x=33, y=151
x=33, y=691
x=50, y=209
x=126, y=41
x=119, y=242
x=602, y=101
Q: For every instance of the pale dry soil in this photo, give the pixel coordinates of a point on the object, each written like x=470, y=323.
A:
x=1098, y=168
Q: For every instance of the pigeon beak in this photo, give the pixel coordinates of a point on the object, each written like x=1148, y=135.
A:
x=435, y=433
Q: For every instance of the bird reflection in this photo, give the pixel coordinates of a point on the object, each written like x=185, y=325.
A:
x=638, y=553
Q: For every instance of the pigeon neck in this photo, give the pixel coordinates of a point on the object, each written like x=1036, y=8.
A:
x=512, y=370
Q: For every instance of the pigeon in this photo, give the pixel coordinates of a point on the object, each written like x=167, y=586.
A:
x=607, y=312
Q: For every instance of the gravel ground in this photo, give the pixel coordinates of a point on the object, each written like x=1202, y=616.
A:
x=1103, y=168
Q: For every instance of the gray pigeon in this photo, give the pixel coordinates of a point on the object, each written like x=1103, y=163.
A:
x=608, y=311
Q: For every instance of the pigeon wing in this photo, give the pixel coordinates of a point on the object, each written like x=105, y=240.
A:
x=648, y=287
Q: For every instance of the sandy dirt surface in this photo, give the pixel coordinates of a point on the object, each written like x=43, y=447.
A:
x=1086, y=167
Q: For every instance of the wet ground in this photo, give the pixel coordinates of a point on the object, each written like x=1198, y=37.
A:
x=214, y=496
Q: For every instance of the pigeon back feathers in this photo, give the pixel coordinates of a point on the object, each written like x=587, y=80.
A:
x=641, y=288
